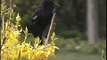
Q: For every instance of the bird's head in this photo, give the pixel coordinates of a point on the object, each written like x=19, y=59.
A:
x=47, y=4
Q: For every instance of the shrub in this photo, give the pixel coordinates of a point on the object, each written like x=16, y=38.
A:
x=13, y=47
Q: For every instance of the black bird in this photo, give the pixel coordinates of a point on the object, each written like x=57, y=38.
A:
x=42, y=18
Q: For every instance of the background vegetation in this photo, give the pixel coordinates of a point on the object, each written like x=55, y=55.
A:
x=71, y=28
x=71, y=15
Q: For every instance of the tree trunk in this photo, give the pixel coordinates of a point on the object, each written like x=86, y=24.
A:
x=92, y=21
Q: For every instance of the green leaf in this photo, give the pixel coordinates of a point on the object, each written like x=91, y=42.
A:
x=26, y=31
x=18, y=18
x=53, y=37
x=37, y=40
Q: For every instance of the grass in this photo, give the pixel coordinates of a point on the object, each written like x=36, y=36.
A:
x=76, y=56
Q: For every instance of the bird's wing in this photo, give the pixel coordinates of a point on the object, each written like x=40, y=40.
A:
x=34, y=18
x=35, y=15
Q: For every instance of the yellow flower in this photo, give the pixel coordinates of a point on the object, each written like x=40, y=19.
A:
x=13, y=49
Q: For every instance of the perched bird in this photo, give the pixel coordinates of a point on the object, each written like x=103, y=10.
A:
x=42, y=18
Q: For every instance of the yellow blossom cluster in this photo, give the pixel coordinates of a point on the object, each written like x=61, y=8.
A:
x=13, y=49
x=26, y=51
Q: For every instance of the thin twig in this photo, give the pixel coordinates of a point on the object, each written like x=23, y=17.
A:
x=2, y=31
x=51, y=29
x=3, y=2
x=11, y=5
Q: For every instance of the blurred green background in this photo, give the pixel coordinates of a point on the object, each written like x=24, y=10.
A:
x=71, y=27
x=71, y=16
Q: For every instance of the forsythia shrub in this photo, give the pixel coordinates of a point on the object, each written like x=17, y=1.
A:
x=12, y=47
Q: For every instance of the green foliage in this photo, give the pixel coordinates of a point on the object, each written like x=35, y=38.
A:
x=37, y=40
x=71, y=15
x=76, y=56
x=53, y=36
x=103, y=56
x=86, y=48
x=78, y=45
x=70, y=34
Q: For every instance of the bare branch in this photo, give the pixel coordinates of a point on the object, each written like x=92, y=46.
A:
x=3, y=3
x=2, y=31
x=51, y=29
x=11, y=5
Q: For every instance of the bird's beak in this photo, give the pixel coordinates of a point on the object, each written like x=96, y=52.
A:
x=56, y=5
